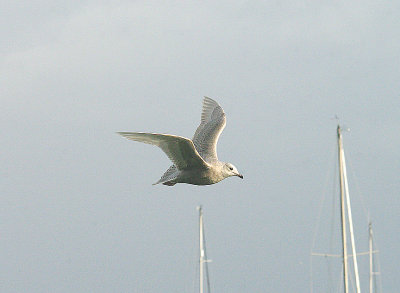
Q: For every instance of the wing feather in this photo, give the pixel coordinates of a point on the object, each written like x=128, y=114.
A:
x=212, y=124
x=180, y=150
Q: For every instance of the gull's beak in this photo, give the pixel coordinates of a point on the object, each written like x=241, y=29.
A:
x=240, y=176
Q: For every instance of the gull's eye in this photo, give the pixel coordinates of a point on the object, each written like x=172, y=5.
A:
x=230, y=168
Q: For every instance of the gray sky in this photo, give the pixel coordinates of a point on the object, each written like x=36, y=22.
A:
x=78, y=211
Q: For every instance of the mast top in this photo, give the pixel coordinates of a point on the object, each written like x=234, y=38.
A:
x=339, y=130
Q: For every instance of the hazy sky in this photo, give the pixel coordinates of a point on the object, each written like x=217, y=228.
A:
x=78, y=211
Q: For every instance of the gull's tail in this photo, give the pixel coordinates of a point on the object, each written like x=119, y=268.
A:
x=169, y=176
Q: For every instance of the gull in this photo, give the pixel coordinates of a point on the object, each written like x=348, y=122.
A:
x=195, y=161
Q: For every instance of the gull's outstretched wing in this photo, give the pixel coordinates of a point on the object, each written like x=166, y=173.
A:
x=213, y=121
x=180, y=150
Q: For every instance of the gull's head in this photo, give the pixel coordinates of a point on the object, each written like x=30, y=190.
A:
x=230, y=170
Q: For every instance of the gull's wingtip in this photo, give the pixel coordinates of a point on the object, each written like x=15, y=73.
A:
x=125, y=134
x=208, y=99
x=208, y=102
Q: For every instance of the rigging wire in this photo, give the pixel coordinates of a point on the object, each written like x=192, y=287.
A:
x=321, y=205
x=357, y=187
x=334, y=208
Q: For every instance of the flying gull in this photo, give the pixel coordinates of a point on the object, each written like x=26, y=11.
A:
x=194, y=161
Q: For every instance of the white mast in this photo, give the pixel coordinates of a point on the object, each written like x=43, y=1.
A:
x=342, y=211
x=201, y=246
x=203, y=256
x=344, y=191
x=372, y=272
x=370, y=259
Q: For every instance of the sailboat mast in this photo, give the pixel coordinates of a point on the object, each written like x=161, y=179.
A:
x=345, y=204
x=201, y=243
x=342, y=210
x=371, y=283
